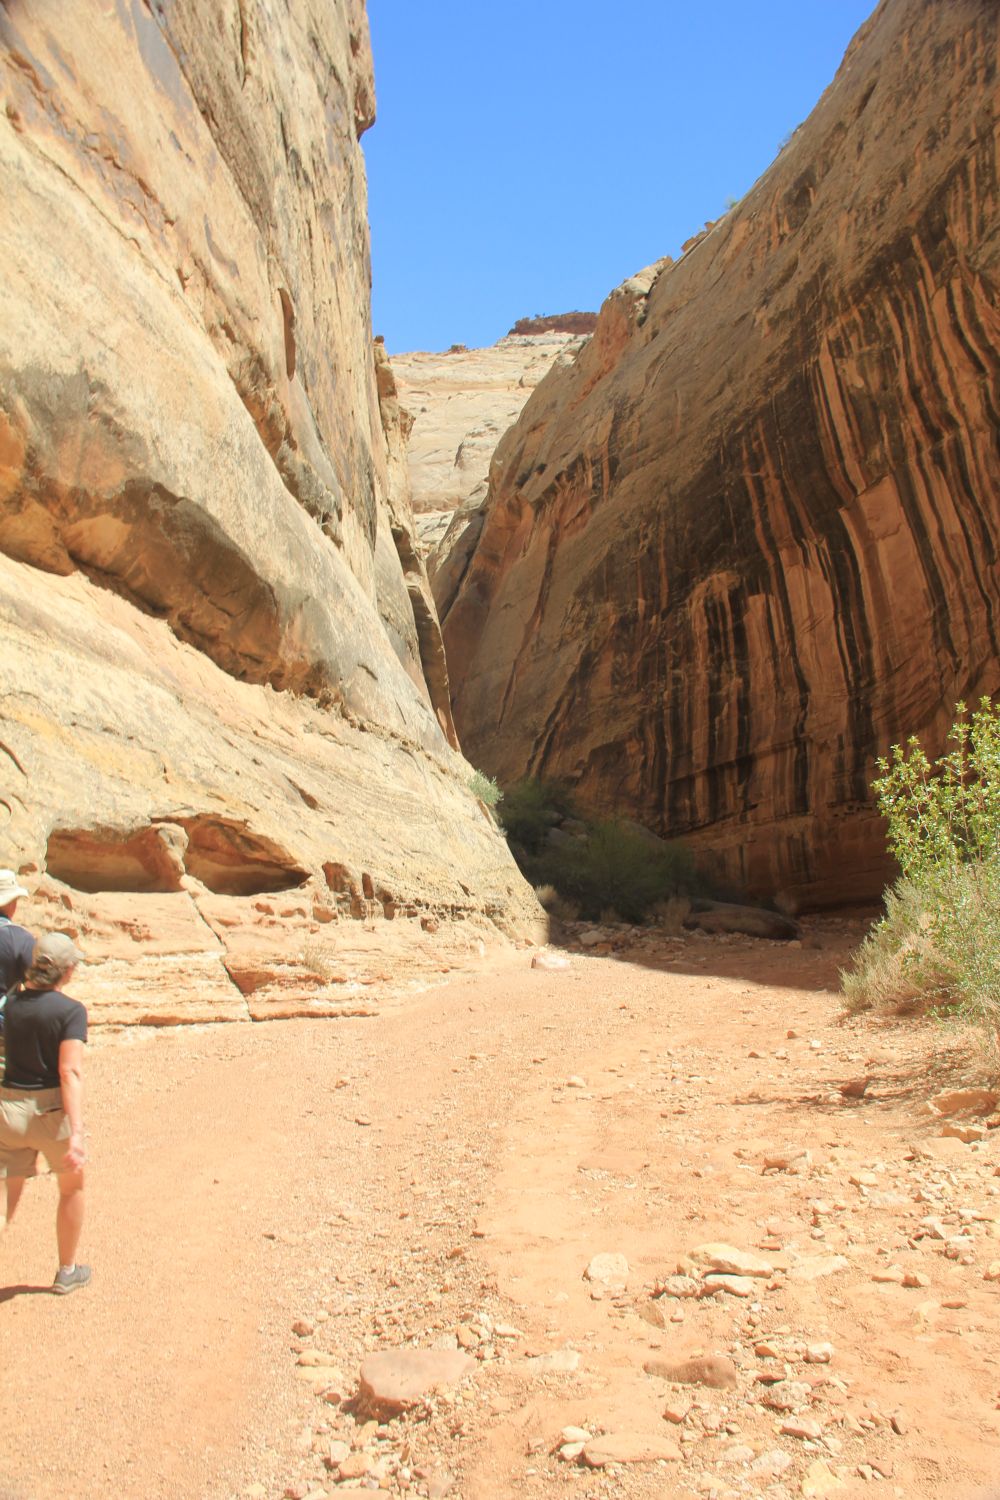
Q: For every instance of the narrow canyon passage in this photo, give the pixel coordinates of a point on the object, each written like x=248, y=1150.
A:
x=446, y=1171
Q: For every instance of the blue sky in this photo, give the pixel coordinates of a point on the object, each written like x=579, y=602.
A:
x=528, y=155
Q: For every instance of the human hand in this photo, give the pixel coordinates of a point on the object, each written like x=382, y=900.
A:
x=76, y=1152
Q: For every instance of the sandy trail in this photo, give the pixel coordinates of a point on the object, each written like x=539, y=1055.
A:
x=403, y=1178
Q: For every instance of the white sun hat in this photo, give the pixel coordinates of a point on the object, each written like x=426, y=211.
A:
x=10, y=890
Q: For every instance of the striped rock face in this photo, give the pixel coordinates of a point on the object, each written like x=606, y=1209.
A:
x=751, y=536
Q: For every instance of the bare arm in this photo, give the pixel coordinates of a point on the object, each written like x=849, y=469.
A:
x=71, y=1082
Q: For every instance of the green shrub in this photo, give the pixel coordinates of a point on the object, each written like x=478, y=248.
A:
x=939, y=941
x=530, y=809
x=615, y=867
x=485, y=788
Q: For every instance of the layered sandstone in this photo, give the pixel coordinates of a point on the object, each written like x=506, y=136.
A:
x=462, y=403
x=223, y=675
x=751, y=536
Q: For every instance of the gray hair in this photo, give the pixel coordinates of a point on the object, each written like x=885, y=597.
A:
x=55, y=954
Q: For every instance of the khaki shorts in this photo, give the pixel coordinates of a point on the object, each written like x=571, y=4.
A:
x=29, y=1123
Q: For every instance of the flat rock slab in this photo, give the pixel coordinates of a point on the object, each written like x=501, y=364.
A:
x=966, y=1102
x=395, y=1379
x=736, y=1286
x=729, y=1261
x=628, y=1448
x=713, y=1370
x=815, y=1266
x=819, y=1480
x=555, y=1362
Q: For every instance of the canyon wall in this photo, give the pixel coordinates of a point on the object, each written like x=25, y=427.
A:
x=461, y=403
x=227, y=749
x=750, y=537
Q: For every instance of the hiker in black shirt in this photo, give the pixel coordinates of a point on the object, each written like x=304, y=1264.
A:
x=41, y=1097
x=16, y=943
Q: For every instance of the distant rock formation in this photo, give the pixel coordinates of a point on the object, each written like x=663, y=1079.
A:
x=461, y=403
x=225, y=728
x=752, y=535
x=571, y=322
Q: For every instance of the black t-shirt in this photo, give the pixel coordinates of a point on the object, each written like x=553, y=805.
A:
x=36, y=1022
x=16, y=949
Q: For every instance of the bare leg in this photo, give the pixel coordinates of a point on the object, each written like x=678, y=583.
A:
x=15, y=1187
x=69, y=1215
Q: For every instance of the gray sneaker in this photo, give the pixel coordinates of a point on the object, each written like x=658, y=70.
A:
x=68, y=1281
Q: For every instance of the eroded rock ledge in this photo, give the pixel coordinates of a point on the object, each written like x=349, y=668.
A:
x=750, y=536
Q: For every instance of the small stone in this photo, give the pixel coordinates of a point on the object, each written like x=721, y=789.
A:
x=819, y=1480
x=337, y=1453
x=576, y=1435
x=863, y=1179
x=786, y=1395
x=355, y=1466
x=678, y=1286
x=818, y=1354
x=889, y=1274
x=570, y=1452
x=362, y=1120
x=551, y=962
x=992, y=1272
x=933, y=1229
x=795, y=1159
x=394, y=1379
x=738, y=1453
x=576, y=1082
x=676, y=1412
x=302, y=1329
x=608, y=1270
x=769, y=1465
x=916, y=1278
x=801, y=1427
x=439, y=1484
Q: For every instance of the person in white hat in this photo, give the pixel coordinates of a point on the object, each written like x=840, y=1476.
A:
x=41, y=1096
x=16, y=943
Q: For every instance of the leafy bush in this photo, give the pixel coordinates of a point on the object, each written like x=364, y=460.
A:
x=940, y=938
x=530, y=809
x=485, y=788
x=616, y=867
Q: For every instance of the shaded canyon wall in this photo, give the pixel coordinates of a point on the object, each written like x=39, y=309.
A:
x=225, y=733
x=750, y=537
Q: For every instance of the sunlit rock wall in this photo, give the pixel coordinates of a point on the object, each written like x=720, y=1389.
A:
x=751, y=536
x=215, y=686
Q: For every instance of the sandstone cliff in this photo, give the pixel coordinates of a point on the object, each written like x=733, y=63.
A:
x=222, y=671
x=751, y=536
x=461, y=404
